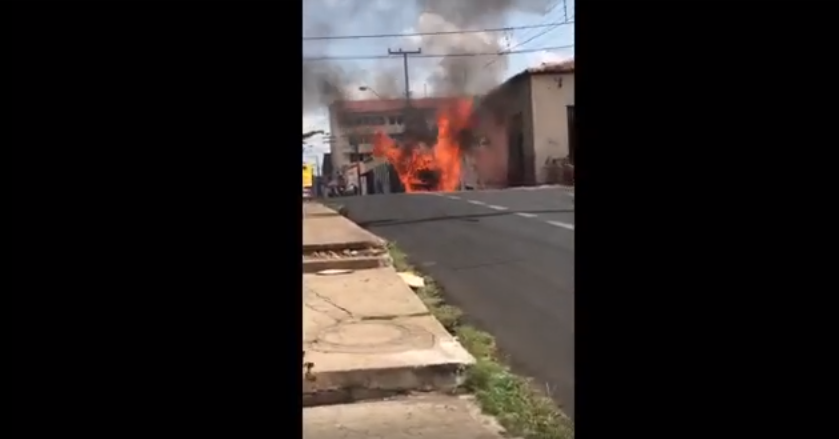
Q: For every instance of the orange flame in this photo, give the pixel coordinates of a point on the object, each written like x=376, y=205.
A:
x=442, y=158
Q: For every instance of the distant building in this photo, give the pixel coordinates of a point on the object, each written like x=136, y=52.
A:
x=526, y=127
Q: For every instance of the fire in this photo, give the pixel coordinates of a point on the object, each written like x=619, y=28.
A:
x=430, y=168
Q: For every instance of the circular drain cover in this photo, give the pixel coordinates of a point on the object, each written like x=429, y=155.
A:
x=372, y=337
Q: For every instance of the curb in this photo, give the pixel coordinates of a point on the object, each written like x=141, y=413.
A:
x=321, y=215
x=340, y=246
x=349, y=263
x=342, y=387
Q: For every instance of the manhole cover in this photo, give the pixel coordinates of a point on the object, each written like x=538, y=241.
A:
x=372, y=337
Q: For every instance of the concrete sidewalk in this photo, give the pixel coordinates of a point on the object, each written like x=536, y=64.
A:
x=366, y=335
x=331, y=241
x=370, y=336
x=326, y=230
x=312, y=209
x=365, y=332
x=423, y=417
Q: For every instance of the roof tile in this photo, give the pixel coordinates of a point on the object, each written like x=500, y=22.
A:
x=560, y=67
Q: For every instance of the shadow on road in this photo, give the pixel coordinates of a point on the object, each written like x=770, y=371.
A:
x=468, y=218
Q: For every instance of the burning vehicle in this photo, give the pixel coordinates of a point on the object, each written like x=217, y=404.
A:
x=425, y=159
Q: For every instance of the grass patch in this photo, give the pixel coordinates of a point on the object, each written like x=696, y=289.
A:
x=511, y=399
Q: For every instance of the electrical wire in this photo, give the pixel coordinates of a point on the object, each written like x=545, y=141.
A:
x=424, y=55
x=421, y=34
x=546, y=31
x=551, y=28
x=547, y=16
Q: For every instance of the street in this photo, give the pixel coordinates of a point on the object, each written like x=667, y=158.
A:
x=505, y=257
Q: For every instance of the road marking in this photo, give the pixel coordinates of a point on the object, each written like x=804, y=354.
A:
x=452, y=197
x=559, y=224
x=526, y=214
x=476, y=202
x=493, y=206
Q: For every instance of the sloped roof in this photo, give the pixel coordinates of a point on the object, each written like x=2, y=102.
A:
x=546, y=68
x=565, y=67
x=560, y=67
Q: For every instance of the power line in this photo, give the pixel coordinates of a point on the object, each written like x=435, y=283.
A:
x=546, y=18
x=534, y=37
x=421, y=34
x=447, y=55
x=551, y=28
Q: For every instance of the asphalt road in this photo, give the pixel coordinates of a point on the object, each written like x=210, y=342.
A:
x=506, y=258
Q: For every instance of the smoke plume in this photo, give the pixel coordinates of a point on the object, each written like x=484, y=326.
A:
x=326, y=81
x=469, y=75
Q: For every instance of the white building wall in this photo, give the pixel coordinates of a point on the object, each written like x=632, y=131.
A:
x=551, y=96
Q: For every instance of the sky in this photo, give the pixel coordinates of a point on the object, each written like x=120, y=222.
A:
x=399, y=17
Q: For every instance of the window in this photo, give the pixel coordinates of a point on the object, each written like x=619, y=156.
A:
x=356, y=140
x=360, y=157
x=368, y=120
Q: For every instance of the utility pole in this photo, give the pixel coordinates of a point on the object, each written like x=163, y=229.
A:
x=405, y=54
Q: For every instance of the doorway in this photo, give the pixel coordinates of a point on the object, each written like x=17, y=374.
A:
x=369, y=183
x=515, y=151
x=572, y=133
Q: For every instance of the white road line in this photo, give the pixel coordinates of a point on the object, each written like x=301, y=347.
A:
x=452, y=197
x=526, y=214
x=476, y=202
x=493, y=206
x=559, y=224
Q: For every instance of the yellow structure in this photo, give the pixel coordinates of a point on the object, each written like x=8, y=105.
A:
x=308, y=175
